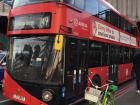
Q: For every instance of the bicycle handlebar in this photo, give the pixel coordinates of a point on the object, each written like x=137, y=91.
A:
x=100, y=87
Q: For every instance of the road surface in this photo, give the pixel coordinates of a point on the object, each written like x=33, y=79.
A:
x=126, y=95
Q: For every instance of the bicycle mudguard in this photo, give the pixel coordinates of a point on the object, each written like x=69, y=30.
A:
x=113, y=88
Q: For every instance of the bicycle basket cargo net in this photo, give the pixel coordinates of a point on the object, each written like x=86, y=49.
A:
x=92, y=94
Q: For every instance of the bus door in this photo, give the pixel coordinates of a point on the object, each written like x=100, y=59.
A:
x=114, y=59
x=113, y=73
x=82, y=69
x=75, y=56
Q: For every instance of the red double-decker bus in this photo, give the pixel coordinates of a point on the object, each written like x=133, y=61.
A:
x=55, y=43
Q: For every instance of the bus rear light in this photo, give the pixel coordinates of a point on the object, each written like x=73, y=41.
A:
x=47, y=96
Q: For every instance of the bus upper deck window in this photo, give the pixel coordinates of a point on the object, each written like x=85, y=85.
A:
x=69, y=1
x=79, y=4
x=92, y=6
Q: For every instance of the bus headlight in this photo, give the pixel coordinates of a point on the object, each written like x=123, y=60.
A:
x=47, y=95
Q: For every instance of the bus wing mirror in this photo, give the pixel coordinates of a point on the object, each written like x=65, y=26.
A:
x=58, y=42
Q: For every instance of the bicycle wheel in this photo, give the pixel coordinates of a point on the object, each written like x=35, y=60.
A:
x=109, y=100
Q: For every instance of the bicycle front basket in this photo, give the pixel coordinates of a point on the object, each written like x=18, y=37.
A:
x=92, y=94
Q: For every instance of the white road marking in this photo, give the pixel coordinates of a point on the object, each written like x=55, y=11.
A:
x=3, y=101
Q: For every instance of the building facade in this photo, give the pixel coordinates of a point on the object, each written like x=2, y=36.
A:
x=4, y=11
x=129, y=8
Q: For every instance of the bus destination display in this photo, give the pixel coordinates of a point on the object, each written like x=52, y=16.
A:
x=31, y=21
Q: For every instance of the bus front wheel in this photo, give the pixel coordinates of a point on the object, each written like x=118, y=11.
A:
x=96, y=80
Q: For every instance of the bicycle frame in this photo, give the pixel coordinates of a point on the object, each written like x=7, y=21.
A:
x=106, y=94
x=109, y=92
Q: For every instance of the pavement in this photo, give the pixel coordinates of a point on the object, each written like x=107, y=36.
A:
x=126, y=95
x=4, y=101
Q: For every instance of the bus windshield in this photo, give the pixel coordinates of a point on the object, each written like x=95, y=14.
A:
x=34, y=59
x=18, y=3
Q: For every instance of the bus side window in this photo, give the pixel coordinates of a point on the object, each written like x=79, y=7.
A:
x=95, y=54
x=83, y=53
x=71, y=54
x=77, y=3
x=105, y=55
x=114, y=19
x=126, y=55
x=132, y=52
x=92, y=6
x=114, y=54
x=103, y=11
x=69, y=1
x=134, y=30
x=117, y=51
x=121, y=55
x=80, y=3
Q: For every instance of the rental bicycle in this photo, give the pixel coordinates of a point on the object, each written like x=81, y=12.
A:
x=104, y=95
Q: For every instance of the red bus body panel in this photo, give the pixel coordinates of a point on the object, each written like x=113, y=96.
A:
x=124, y=73
x=81, y=24
x=15, y=92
